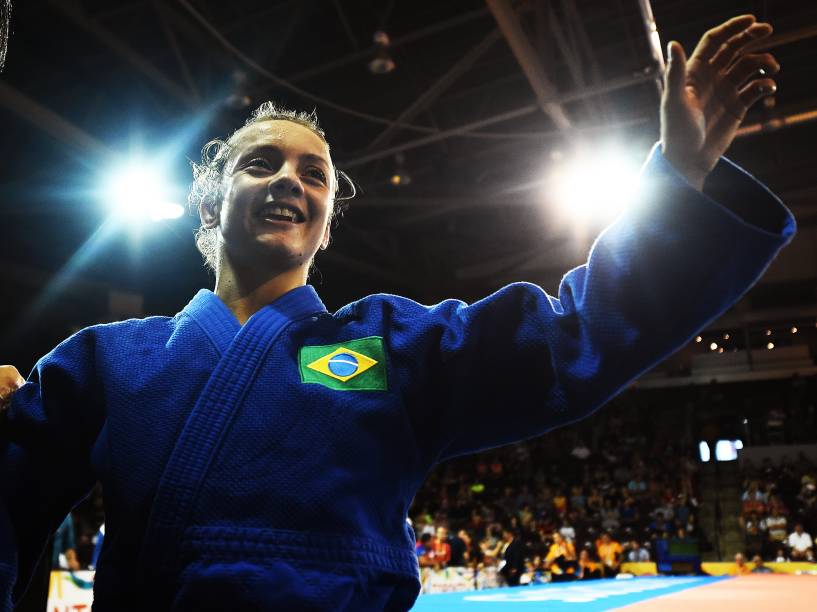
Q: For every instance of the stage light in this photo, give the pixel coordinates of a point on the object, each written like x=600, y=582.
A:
x=727, y=450
x=726, y=336
x=698, y=339
x=794, y=330
x=770, y=346
x=594, y=186
x=713, y=346
x=382, y=62
x=768, y=332
x=137, y=192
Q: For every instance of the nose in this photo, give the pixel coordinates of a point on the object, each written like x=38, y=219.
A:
x=286, y=184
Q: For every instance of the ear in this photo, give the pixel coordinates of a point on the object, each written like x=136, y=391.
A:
x=208, y=213
x=326, y=236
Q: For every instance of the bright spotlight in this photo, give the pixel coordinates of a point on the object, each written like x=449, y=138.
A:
x=594, y=186
x=137, y=192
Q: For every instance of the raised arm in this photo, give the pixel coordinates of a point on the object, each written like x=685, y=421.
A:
x=697, y=237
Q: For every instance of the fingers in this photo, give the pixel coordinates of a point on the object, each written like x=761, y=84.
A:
x=10, y=381
x=736, y=44
x=714, y=39
x=756, y=90
x=675, y=76
x=751, y=65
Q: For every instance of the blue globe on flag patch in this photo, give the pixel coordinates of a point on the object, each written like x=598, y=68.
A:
x=342, y=364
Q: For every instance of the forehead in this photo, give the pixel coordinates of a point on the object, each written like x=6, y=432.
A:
x=282, y=134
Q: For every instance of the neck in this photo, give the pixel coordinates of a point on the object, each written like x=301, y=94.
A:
x=245, y=292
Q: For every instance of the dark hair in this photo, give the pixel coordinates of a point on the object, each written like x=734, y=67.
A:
x=208, y=176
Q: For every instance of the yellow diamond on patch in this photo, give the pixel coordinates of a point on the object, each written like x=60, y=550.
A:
x=342, y=364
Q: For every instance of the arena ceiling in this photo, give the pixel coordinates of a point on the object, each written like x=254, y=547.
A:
x=463, y=113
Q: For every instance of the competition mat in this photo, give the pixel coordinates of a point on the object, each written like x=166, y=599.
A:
x=701, y=594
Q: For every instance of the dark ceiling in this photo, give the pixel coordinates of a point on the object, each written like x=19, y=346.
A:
x=86, y=76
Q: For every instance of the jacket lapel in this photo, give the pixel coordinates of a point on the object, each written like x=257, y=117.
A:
x=242, y=350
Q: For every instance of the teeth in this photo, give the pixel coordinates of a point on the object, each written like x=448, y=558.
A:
x=279, y=211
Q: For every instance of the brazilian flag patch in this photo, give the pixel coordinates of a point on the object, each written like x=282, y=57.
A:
x=354, y=365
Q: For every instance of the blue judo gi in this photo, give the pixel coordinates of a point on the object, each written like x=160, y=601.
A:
x=270, y=466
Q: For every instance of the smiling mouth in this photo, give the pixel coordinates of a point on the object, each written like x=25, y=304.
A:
x=281, y=212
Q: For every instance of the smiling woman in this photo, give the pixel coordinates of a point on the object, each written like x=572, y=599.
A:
x=210, y=176
x=260, y=453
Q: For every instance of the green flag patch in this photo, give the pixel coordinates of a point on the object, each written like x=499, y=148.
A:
x=354, y=365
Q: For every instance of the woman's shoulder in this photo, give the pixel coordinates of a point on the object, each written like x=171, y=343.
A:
x=126, y=330
x=397, y=305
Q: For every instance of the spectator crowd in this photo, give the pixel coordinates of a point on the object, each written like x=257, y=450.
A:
x=573, y=504
x=779, y=509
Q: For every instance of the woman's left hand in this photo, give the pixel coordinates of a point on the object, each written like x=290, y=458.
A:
x=706, y=97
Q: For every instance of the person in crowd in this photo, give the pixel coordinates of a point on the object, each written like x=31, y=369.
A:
x=741, y=567
x=441, y=549
x=776, y=528
x=760, y=567
x=754, y=532
x=491, y=546
x=561, y=558
x=534, y=573
x=753, y=500
x=567, y=531
x=780, y=556
x=801, y=544
x=807, y=497
x=577, y=498
x=659, y=524
x=587, y=567
x=460, y=544
x=424, y=550
x=637, y=553
x=513, y=558
x=610, y=553
x=610, y=517
x=637, y=485
x=64, y=554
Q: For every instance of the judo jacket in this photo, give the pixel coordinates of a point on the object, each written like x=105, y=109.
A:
x=270, y=466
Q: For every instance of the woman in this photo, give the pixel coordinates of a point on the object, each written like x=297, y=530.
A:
x=561, y=558
x=258, y=452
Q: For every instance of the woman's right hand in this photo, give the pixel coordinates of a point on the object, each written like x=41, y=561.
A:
x=10, y=381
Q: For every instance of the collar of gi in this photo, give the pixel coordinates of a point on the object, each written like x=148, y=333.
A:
x=218, y=321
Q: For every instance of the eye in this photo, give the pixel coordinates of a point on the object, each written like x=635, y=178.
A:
x=258, y=162
x=316, y=173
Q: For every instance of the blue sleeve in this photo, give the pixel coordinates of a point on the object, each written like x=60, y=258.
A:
x=521, y=362
x=46, y=437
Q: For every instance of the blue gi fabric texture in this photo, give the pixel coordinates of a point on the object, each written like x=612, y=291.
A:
x=230, y=484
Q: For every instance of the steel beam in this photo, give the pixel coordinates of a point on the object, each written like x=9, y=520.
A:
x=172, y=41
x=529, y=62
x=50, y=122
x=654, y=42
x=396, y=42
x=73, y=11
x=783, y=38
x=436, y=89
x=777, y=123
x=347, y=27
x=463, y=130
